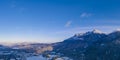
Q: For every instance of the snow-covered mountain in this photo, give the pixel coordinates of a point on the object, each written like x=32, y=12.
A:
x=88, y=36
x=92, y=45
x=81, y=40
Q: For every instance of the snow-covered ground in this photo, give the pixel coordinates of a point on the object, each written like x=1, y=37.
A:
x=42, y=58
x=36, y=58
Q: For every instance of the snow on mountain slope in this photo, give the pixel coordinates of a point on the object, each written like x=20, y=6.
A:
x=117, y=29
x=97, y=31
x=88, y=36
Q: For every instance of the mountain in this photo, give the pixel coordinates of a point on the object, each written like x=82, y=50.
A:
x=81, y=40
x=107, y=50
x=92, y=45
x=114, y=35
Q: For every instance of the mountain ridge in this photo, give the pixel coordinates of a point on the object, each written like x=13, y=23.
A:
x=91, y=44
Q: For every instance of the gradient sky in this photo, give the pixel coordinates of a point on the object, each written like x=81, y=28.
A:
x=49, y=21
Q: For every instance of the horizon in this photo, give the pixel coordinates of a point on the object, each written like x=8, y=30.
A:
x=32, y=42
x=56, y=20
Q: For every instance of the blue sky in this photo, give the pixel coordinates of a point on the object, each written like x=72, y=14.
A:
x=49, y=21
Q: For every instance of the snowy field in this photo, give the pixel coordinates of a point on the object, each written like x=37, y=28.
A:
x=36, y=58
x=42, y=58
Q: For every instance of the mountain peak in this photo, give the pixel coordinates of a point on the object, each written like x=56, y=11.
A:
x=96, y=31
x=78, y=34
x=118, y=30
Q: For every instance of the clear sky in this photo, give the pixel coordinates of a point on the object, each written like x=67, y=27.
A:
x=49, y=21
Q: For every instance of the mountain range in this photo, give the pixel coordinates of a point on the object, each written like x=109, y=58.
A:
x=92, y=45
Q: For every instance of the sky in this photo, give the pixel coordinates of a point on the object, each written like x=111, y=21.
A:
x=48, y=21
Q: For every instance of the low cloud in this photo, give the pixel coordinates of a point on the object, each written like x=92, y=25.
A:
x=68, y=23
x=83, y=15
